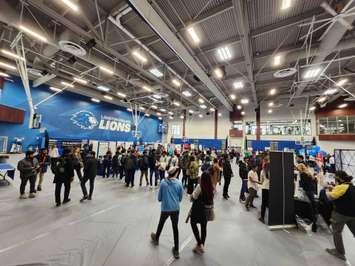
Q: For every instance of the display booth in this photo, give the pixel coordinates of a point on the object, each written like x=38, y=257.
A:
x=281, y=202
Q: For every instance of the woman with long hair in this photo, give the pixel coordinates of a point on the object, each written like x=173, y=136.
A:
x=265, y=180
x=202, y=210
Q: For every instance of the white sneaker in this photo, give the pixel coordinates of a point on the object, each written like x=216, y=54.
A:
x=23, y=196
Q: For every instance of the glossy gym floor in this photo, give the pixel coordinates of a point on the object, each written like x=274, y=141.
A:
x=113, y=229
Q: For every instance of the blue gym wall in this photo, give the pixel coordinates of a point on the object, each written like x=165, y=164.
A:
x=57, y=117
x=260, y=145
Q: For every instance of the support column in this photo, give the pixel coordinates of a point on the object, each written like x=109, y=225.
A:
x=184, y=124
x=216, y=124
x=257, y=118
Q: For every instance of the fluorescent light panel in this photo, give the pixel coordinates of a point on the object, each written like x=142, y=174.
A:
x=342, y=82
x=212, y=109
x=191, y=111
x=108, y=97
x=343, y=105
x=200, y=116
x=137, y=54
x=66, y=84
x=11, y=54
x=244, y=101
x=192, y=32
x=2, y=74
x=154, y=107
x=218, y=73
x=272, y=92
x=55, y=89
x=95, y=100
x=277, y=60
x=147, y=88
x=33, y=33
x=103, y=88
x=71, y=5
x=187, y=93
x=6, y=65
x=176, y=103
x=312, y=73
x=322, y=99
x=156, y=72
x=202, y=106
x=176, y=82
x=200, y=100
x=330, y=91
x=238, y=84
x=286, y=4
x=122, y=95
x=312, y=108
x=82, y=81
x=106, y=70
x=233, y=97
x=224, y=53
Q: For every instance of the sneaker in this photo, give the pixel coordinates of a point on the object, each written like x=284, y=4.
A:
x=335, y=253
x=84, y=198
x=66, y=201
x=176, y=253
x=89, y=198
x=252, y=206
x=154, y=239
x=23, y=196
x=39, y=188
x=58, y=204
x=261, y=220
x=32, y=195
x=198, y=250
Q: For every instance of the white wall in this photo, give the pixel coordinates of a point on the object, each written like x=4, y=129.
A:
x=329, y=146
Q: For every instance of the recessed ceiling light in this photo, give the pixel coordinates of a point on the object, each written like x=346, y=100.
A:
x=195, y=38
x=242, y=113
x=271, y=104
x=171, y=117
x=330, y=91
x=6, y=65
x=147, y=115
x=212, y=109
x=202, y=106
x=55, y=89
x=154, y=107
x=107, y=70
x=156, y=72
x=322, y=99
x=66, y=84
x=200, y=116
x=244, y=101
x=182, y=117
x=122, y=95
x=312, y=73
x=170, y=113
x=343, y=105
x=176, y=103
x=200, y=100
x=2, y=74
x=233, y=97
x=277, y=60
x=108, y=97
x=239, y=107
x=269, y=111
x=312, y=108
x=141, y=108
x=218, y=73
x=187, y=93
x=341, y=82
x=191, y=111
x=33, y=33
x=176, y=82
x=95, y=100
x=103, y=88
x=129, y=110
x=12, y=55
x=82, y=81
x=238, y=84
x=71, y=5
x=224, y=53
x=147, y=88
x=137, y=54
x=219, y=114
x=272, y=92
x=163, y=110
x=160, y=118
x=286, y=4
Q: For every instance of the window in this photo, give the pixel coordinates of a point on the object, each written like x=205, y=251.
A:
x=336, y=125
x=175, y=130
x=283, y=128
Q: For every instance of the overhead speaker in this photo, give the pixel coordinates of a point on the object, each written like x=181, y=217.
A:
x=287, y=72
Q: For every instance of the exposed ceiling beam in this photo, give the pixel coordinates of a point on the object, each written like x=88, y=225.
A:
x=161, y=28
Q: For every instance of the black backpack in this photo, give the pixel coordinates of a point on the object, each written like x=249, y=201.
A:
x=60, y=166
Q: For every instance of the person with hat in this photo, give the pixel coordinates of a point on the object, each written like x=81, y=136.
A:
x=343, y=197
x=170, y=196
x=28, y=168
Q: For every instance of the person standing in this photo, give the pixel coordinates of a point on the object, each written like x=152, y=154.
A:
x=202, y=210
x=216, y=173
x=343, y=198
x=153, y=168
x=64, y=175
x=143, y=167
x=44, y=161
x=170, y=196
x=227, y=174
x=185, y=161
x=193, y=174
x=265, y=185
x=243, y=174
x=90, y=171
x=253, y=181
x=130, y=169
x=163, y=163
x=28, y=168
x=107, y=164
x=78, y=163
x=115, y=164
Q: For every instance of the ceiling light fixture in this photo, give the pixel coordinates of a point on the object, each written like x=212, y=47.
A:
x=122, y=95
x=66, y=84
x=163, y=110
x=238, y=85
x=147, y=115
x=103, y=88
x=202, y=106
x=212, y=109
x=137, y=54
x=200, y=116
x=4, y=75
x=182, y=117
x=191, y=111
x=55, y=89
x=322, y=99
x=239, y=107
x=271, y=104
x=6, y=65
x=159, y=114
x=343, y=105
x=286, y=4
x=154, y=107
x=156, y=72
x=82, y=81
x=33, y=33
x=233, y=96
x=312, y=73
x=200, y=100
x=12, y=55
x=106, y=70
x=160, y=118
x=195, y=38
x=129, y=110
x=277, y=60
x=187, y=93
x=312, y=108
x=147, y=88
x=269, y=111
x=176, y=82
x=108, y=97
x=224, y=53
x=272, y=91
x=341, y=82
x=170, y=113
x=330, y=91
x=242, y=113
x=95, y=100
x=171, y=117
x=141, y=108
x=218, y=73
x=219, y=114
x=244, y=101
x=71, y=5
x=176, y=103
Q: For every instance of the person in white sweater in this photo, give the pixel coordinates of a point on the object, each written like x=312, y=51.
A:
x=265, y=185
x=253, y=181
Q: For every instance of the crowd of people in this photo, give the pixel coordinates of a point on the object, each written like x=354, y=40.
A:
x=198, y=173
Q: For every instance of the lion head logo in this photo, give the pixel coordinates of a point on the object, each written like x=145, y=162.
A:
x=84, y=120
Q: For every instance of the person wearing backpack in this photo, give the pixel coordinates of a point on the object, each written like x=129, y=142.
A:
x=130, y=168
x=90, y=171
x=143, y=167
x=202, y=210
x=193, y=174
x=63, y=175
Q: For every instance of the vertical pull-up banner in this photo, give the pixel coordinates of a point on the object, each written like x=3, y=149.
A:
x=281, y=203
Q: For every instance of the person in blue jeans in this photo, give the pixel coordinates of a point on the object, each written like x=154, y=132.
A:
x=170, y=196
x=243, y=174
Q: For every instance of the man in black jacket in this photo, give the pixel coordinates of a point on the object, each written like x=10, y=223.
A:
x=153, y=168
x=63, y=174
x=243, y=174
x=90, y=171
x=28, y=168
x=130, y=167
x=143, y=167
x=227, y=174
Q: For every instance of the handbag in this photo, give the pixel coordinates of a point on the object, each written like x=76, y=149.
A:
x=209, y=211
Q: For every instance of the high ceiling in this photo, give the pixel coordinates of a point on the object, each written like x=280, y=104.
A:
x=132, y=37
